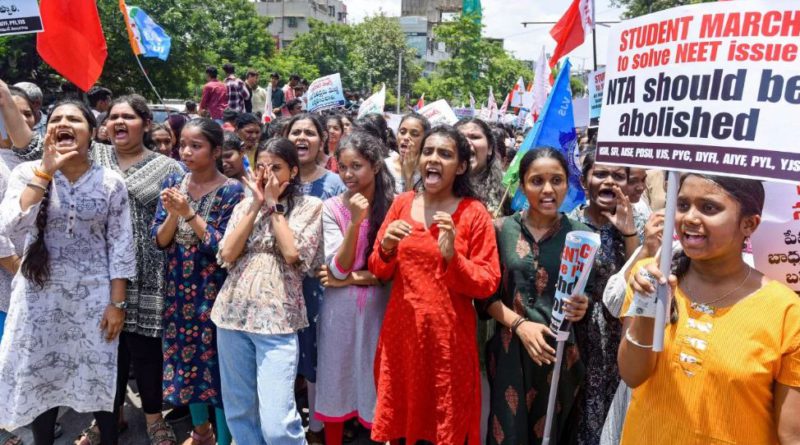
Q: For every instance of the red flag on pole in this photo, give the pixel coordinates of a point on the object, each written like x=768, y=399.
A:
x=72, y=42
x=568, y=32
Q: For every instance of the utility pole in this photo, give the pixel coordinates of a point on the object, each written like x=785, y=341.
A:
x=399, y=79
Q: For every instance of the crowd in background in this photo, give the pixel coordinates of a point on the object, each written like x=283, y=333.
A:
x=300, y=280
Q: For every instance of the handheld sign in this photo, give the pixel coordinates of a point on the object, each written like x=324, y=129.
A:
x=776, y=243
x=709, y=88
x=325, y=93
x=374, y=104
x=19, y=17
x=576, y=262
x=439, y=113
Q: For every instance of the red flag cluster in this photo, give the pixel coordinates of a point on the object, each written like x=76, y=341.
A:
x=72, y=41
x=570, y=31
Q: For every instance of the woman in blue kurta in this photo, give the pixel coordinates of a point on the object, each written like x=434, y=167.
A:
x=191, y=218
x=308, y=136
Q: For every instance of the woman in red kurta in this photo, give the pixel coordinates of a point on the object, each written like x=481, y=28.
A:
x=439, y=247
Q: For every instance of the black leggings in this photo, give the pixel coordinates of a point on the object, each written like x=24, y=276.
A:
x=44, y=426
x=147, y=358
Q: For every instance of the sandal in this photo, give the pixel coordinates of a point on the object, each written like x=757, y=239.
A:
x=201, y=439
x=7, y=438
x=160, y=433
x=89, y=436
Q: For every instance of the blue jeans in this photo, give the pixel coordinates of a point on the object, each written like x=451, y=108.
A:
x=2, y=323
x=268, y=364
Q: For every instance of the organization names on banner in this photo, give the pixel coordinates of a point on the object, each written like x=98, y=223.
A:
x=712, y=87
x=19, y=17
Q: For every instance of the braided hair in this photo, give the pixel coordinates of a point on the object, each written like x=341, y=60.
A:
x=36, y=261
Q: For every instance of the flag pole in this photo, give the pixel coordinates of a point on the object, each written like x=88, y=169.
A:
x=594, y=37
x=551, y=399
x=148, y=78
x=502, y=201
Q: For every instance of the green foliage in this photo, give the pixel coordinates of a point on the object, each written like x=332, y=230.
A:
x=577, y=86
x=635, y=8
x=365, y=54
x=475, y=65
x=203, y=33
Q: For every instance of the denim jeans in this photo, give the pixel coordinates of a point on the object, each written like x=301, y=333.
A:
x=2, y=323
x=258, y=373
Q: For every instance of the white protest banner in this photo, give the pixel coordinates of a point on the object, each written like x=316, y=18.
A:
x=19, y=17
x=710, y=88
x=325, y=93
x=439, y=113
x=776, y=243
x=374, y=104
x=393, y=121
x=576, y=263
x=464, y=113
x=596, y=80
x=580, y=111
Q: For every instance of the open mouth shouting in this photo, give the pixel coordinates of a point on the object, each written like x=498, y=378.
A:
x=606, y=197
x=547, y=203
x=692, y=238
x=65, y=138
x=433, y=175
x=302, y=149
x=120, y=133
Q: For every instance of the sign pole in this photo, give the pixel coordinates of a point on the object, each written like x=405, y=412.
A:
x=148, y=79
x=551, y=400
x=663, y=298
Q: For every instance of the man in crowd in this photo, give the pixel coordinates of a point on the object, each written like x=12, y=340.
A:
x=215, y=95
x=258, y=96
x=99, y=99
x=278, y=99
x=294, y=107
x=237, y=90
x=191, y=109
x=289, y=88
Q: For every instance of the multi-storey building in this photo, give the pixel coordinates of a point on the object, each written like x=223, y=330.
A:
x=290, y=18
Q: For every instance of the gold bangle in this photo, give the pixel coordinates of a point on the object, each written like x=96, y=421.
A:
x=40, y=174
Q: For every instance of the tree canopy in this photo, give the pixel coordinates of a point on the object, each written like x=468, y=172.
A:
x=475, y=64
x=208, y=33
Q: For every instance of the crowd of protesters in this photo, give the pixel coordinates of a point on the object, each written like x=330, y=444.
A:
x=301, y=280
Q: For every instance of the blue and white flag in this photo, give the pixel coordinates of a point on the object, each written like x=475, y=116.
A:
x=147, y=38
x=555, y=128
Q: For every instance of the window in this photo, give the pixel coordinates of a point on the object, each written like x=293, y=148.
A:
x=292, y=22
x=331, y=11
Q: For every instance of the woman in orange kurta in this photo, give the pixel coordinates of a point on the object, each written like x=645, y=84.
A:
x=438, y=246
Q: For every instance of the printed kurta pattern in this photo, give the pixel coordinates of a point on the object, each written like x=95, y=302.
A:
x=52, y=353
x=193, y=278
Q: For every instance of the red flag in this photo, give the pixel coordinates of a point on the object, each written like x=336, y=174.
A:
x=72, y=42
x=420, y=103
x=568, y=32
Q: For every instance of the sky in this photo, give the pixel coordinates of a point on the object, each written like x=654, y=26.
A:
x=503, y=19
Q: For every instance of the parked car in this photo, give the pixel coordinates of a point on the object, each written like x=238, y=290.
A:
x=162, y=112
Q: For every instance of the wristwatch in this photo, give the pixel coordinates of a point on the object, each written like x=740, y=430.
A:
x=280, y=209
x=121, y=305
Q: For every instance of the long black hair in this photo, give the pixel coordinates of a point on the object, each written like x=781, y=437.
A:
x=375, y=124
x=36, y=262
x=462, y=186
x=370, y=148
x=285, y=149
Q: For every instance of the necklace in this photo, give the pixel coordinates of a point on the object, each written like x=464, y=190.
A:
x=727, y=294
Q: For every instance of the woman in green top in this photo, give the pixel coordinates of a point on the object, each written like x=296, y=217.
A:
x=521, y=353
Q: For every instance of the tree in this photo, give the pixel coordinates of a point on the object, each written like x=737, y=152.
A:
x=203, y=33
x=378, y=42
x=328, y=46
x=475, y=64
x=635, y=8
x=364, y=55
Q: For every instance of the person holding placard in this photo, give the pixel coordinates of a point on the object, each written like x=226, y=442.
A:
x=438, y=246
x=730, y=369
x=521, y=353
x=611, y=215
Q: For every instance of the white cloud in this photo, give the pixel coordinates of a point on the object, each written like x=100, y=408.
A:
x=503, y=19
